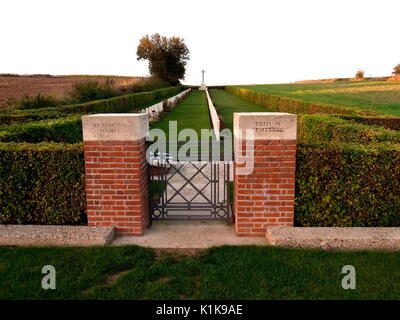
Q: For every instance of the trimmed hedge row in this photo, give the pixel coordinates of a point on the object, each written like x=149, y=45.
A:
x=331, y=129
x=67, y=130
x=42, y=184
x=335, y=186
x=348, y=186
x=285, y=104
x=392, y=123
x=120, y=104
x=7, y=119
x=342, y=185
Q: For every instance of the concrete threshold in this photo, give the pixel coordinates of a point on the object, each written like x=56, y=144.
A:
x=351, y=238
x=50, y=235
x=189, y=235
x=197, y=235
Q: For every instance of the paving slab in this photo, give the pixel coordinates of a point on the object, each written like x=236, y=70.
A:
x=49, y=235
x=352, y=238
x=189, y=235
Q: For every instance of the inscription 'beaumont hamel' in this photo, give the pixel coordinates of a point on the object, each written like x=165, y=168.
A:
x=108, y=128
x=115, y=127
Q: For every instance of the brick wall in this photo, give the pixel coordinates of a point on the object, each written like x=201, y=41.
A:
x=266, y=196
x=117, y=185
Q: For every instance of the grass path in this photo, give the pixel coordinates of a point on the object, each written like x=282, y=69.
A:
x=227, y=103
x=247, y=272
x=191, y=113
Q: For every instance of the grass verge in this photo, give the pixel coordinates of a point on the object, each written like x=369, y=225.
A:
x=380, y=96
x=246, y=272
x=227, y=103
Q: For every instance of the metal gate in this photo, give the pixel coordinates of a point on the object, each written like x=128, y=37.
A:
x=190, y=189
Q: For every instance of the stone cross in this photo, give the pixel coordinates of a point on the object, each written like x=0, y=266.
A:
x=203, y=86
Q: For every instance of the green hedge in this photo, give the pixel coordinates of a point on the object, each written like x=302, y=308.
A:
x=67, y=130
x=331, y=129
x=42, y=184
x=348, y=186
x=285, y=104
x=7, y=119
x=392, y=123
x=120, y=104
x=336, y=185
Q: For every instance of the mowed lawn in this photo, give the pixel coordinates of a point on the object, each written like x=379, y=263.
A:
x=227, y=103
x=191, y=113
x=380, y=96
x=247, y=272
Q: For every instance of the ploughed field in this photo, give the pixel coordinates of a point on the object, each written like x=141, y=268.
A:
x=12, y=87
x=380, y=96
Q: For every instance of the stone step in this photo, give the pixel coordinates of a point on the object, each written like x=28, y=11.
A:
x=50, y=235
x=351, y=238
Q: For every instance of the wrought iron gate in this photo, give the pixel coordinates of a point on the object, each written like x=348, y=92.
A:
x=190, y=189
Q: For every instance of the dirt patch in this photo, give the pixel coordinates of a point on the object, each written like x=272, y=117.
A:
x=177, y=253
x=114, y=277
x=164, y=279
x=110, y=280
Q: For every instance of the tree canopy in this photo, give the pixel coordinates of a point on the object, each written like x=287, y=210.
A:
x=396, y=70
x=167, y=56
x=360, y=74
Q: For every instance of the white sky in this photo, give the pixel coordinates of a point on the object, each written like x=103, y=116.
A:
x=237, y=42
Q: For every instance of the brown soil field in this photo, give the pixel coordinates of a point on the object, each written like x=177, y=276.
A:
x=394, y=78
x=14, y=86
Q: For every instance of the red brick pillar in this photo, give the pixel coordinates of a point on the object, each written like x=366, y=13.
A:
x=116, y=173
x=264, y=176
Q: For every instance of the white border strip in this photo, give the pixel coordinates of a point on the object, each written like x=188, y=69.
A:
x=154, y=110
x=214, y=116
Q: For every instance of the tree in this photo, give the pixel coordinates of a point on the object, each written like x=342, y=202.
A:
x=167, y=56
x=396, y=70
x=360, y=74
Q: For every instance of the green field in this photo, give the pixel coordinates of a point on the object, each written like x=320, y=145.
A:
x=380, y=96
x=227, y=103
x=190, y=113
x=247, y=272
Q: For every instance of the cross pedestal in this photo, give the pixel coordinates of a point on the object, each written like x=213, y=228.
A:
x=203, y=86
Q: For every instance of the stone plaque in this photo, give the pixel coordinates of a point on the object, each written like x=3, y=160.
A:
x=266, y=125
x=115, y=127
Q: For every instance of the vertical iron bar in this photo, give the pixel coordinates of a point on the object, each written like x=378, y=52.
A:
x=227, y=181
x=216, y=189
x=150, y=193
x=165, y=187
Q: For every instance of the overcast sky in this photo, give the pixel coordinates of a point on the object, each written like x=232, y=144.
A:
x=236, y=42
